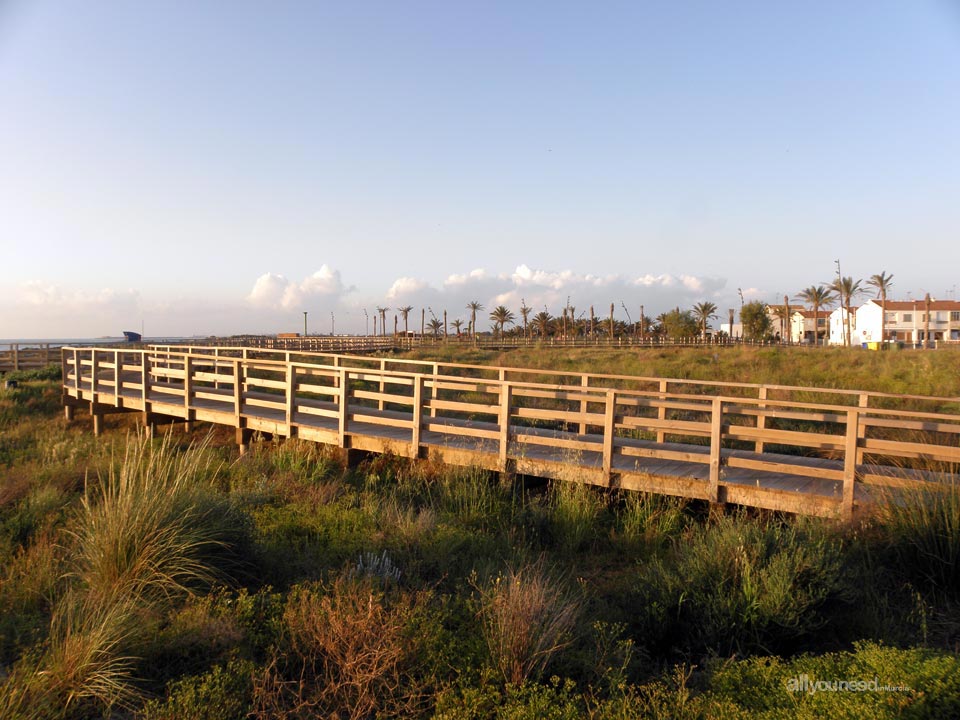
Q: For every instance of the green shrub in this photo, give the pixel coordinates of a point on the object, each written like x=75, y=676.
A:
x=739, y=584
x=223, y=693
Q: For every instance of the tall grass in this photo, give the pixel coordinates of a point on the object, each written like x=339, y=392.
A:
x=86, y=662
x=148, y=531
x=575, y=509
x=150, y=528
x=922, y=530
x=528, y=617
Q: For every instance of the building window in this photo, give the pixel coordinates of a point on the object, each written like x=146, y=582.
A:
x=908, y=317
x=891, y=317
x=955, y=316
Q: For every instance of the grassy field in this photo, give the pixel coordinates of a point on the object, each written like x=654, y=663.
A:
x=173, y=579
x=908, y=372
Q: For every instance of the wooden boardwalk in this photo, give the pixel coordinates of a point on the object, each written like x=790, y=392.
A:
x=720, y=442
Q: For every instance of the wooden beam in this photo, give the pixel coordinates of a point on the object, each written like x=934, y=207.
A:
x=662, y=411
x=343, y=407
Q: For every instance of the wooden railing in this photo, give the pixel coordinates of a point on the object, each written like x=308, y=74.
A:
x=722, y=442
x=18, y=356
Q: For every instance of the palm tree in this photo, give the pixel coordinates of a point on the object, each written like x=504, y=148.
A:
x=474, y=306
x=457, y=324
x=817, y=296
x=846, y=288
x=704, y=312
x=501, y=316
x=525, y=314
x=405, y=314
x=882, y=283
x=383, y=319
x=435, y=326
x=543, y=322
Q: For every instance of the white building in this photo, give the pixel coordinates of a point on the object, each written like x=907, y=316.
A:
x=838, y=327
x=907, y=321
x=804, y=327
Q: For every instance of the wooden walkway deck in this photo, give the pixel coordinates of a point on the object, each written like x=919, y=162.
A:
x=801, y=457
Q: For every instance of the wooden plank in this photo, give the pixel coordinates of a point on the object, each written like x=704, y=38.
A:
x=559, y=415
x=783, y=468
x=672, y=455
x=449, y=429
x=787, y=437
x=382, y=398
x=466, y=407
x=925, y=451
x=662, y=412
x=356, y=417
x=520, y=436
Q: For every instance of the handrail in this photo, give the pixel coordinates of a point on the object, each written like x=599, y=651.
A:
x=618, y=423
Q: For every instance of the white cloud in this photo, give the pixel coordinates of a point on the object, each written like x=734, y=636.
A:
x=405, y=286
x=276, y=291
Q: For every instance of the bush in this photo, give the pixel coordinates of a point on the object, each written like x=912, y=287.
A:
x=527, y=618
x=348, y=652
x=740, y=584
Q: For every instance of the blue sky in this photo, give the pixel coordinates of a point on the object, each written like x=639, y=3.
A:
x=221, y=167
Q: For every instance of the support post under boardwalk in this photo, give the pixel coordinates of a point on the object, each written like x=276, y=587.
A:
x=68, y=413
x=97, y=414
x=716, y=438
x=243, y=439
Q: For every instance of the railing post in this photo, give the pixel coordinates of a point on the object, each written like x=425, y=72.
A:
x=609, y=429
x=16, y=357
x=76, y=371
x=383, y=368
x=291, y=395
x=117, y=379
x=761, y=416
x=716, y=439
x=417, y=414
x=237, y=391
x=850, y=453
x=662, y=410
x=93, y=376
x=506, y=393
x=863, y=402
x=145, y=380
x=584, y=383
x=434, y=391
x=187, y=384
x=343, y=400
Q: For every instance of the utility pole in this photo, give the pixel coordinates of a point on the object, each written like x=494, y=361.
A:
x=304, y=323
